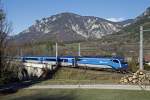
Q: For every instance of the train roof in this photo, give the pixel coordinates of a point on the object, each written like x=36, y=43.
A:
x=104, y=57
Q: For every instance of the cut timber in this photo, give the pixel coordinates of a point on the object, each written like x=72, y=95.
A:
x=139, y=77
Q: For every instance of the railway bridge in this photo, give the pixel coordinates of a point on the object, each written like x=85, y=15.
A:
x=30, y=70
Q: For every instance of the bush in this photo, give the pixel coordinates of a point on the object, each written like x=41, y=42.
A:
x=10, y=74
x=7, y=77
x=133, y=66
x=147, y=67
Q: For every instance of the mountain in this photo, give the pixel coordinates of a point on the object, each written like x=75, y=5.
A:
x=126, y=22
x=145, y=14
x=121, y=38
x=130, y=33
x=69, y=27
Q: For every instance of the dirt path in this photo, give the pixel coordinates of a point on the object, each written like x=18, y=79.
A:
x=96, y=86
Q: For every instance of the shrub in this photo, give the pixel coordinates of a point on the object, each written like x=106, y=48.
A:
x=133, y=66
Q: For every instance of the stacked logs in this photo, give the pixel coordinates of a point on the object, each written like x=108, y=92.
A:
x=139, y=77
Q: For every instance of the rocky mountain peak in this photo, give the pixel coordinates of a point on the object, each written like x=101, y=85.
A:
x=69, y=27
x=147, y=12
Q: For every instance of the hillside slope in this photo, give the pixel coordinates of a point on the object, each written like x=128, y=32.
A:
x=68, y=27
x=130, y=33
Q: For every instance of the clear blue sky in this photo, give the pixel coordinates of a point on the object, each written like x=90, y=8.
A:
x=23, y=13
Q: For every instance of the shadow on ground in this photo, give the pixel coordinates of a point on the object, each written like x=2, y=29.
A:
x=38, y=96
x=14, y=87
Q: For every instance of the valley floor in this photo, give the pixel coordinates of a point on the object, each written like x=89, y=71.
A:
x=78, y=84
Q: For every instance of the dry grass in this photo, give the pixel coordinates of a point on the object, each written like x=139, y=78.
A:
x=80, y=76
x=77, y=94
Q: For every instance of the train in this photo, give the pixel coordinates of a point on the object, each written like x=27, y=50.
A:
x=97, y=62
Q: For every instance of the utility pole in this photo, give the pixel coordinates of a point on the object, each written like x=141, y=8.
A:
x=79, y=52
x=141, y=48
x=21, y=52
x=56, y=51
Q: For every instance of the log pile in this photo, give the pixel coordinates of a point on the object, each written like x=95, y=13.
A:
x=139, y=77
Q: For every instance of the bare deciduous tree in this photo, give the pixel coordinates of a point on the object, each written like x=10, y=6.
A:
x=4, y=31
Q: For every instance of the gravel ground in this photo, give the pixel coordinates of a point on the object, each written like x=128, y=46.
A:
x=95, y=86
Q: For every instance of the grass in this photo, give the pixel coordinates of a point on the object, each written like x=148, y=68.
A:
x=80, y=76
x=77, y=94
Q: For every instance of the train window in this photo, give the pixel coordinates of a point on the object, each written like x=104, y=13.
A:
x=77, y=59
x=31, y=59
x=116, y=61
x=65, y=60
x=124, y=63
x=60, y=60
x=50, y=59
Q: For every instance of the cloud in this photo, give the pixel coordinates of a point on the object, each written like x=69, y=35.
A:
x=115, y=19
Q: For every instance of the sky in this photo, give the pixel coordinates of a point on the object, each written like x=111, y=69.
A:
x=23, y=13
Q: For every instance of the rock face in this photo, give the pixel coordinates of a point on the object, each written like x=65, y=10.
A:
x=139, y=77
x=69, y=27
x=145, y=14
